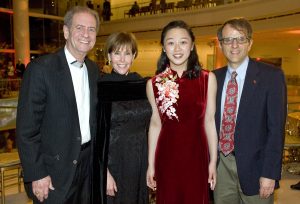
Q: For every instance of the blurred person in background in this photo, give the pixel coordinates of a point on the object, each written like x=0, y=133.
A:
x=20, y=69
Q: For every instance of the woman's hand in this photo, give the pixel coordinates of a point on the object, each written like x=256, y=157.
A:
x=151, y=183
x=111, y=186
x=212, y=175
x=210, y=129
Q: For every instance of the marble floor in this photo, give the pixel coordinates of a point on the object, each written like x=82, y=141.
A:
x=284, y=195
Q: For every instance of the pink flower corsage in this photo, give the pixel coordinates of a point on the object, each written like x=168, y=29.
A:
x=168, y=93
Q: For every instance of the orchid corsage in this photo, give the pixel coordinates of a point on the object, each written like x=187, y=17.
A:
x=168, y=93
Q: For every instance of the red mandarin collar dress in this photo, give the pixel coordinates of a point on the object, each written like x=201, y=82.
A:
x=181, y=157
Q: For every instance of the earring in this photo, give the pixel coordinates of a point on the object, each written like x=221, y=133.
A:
x=108, y=59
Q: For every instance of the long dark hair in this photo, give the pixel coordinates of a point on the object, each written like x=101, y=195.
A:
x=193, y=65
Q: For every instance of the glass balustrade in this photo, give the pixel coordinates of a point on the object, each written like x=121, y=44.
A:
x=291, y=156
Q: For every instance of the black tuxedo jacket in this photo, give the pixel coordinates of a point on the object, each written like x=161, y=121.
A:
x=48, y=131
x=259, y=132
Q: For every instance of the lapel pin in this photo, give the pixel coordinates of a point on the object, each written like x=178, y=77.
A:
x=254, y=81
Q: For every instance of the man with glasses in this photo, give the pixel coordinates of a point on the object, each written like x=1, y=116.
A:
x=250, y=119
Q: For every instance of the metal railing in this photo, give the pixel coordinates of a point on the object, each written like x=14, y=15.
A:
x=123, y=11
x=9, y=88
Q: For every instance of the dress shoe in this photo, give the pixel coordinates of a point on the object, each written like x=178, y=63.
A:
x=296, y=186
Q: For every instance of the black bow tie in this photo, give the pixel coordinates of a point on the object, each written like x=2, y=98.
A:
x=77, y=64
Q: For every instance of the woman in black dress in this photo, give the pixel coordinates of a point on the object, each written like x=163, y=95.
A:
x=124, y=117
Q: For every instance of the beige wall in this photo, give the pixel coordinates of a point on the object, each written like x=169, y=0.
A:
x=285, y=49
x=149, y=52
x=145, y=63
x=271, y=20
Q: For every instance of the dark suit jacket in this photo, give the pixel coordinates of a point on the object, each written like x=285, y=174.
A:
x=48, y=131
x=259, y=132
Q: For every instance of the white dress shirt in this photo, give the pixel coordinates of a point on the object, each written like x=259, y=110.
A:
x=82, y=93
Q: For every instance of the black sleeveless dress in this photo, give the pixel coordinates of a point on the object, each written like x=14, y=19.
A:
x=121, y=143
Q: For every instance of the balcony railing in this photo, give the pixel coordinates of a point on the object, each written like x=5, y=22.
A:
x=8, y=112
x=145, y=8
x=9, y=88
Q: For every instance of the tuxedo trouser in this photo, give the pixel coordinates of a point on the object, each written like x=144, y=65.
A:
x=228, y=189
x=80, y=189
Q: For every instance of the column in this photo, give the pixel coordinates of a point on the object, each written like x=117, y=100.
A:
x=21, y=30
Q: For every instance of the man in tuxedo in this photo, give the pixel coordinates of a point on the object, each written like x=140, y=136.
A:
x=250, y=119
x=56, y=117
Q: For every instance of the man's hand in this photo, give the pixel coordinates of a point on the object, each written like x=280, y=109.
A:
x=266, y=187
x=40, y=188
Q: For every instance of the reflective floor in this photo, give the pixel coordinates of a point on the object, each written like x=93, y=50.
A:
x=284, y=195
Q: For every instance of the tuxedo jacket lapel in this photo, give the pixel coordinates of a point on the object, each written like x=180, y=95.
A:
x=66, y=80
x=93, y=79
x=91, y=85
x=90, y=76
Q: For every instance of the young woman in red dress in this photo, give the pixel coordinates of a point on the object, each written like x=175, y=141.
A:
x=182, y=134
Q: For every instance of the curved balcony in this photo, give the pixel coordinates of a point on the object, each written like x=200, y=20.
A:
x=275, y=22
x=264, y=14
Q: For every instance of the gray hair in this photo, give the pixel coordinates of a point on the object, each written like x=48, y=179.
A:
x=80, y=9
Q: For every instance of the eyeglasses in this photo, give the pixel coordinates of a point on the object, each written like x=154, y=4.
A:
x=239, y=40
